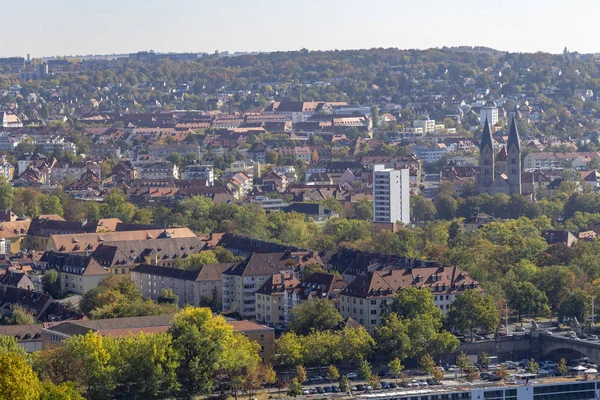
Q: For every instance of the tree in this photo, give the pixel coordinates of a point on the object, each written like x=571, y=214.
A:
x=295, y=388
x=21, y=317
x=7, y=195
x=574, y=306
x=271, y=157
x=438, y=374
x=365, y=370
x=562, y=368
x=50, y=283
x=471, y=374
x=525, y=297
x=374, y=381
x=17, y=380
x=503, y=372
x=412, y=303
x=269, y=376
x=484, y=360
x=301, y=374
x=65, y=391
x=289, y=350
x=427, y=364
x=363, y=209
x=446, y=207
x=167, y=296
x=473, y=310
x=51, y=205
x=208, y=348
x=97, y=372
x=532, y=367
x=463, y=361
x=422, y=209
x=317, y=314
x=396, y=368
x=332, y=373
x=344, y=384
x=195, y=262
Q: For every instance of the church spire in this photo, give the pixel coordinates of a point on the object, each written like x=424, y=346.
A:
x=513, y=135
x=486, y=137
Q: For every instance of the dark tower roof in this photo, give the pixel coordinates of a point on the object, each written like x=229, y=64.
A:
x=513, y=136
x=486, y=136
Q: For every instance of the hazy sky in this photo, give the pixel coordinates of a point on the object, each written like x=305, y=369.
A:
x=75, y=27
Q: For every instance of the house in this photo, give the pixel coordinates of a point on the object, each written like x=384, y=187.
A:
x=78, y=273
x=554, y=236
x=17, y=280
x=192, y=287
x=277, y=180
x=12, y=236
x=263, y=335
x=312, y=211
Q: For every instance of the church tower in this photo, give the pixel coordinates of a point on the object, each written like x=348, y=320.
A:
x=514, y=158
x=486, y=160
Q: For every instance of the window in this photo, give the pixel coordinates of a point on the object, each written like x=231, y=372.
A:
x=261, y=336
x=373, y=322
x=361, y=311
x=373, y=302
x=373, y=312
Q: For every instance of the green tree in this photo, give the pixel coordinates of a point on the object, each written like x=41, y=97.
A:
x=195, y=262
x=167, y=296
x=207, y=347
x=463, y=362
x=51, y=205
x=344, y=384
x=363, y=209
x=524, y=297
x=50, y=283
x=365, y=370
x=289, y=350
x=396, y=368
x=21, y=317
x=532, y=367
x=65, y=391
x=301, y=374
x=7, y=195
x=332, y=373
x=17, y=380
x=427, y=364
x=484, y=360
x=294, y=388
x=97, y=372
x=562, y=368
x=412, y=303
x=422, y=209
x=317, y=314
x=473, y=310
x=574, y=306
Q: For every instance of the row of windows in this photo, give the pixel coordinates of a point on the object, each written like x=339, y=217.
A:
x=574, y=387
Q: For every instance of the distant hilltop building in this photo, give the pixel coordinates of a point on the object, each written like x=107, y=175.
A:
x=500, y=173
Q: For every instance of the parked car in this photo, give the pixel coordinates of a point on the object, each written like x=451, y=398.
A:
x=335, y=389
x=494, y=378
x=423, y=382
x=312, y=391
x=320, y=389
x=327, y=389
x=381, y=373
x=352, y=375
x=453, y=368
x=385, y=385
x=519, y=328
x=547, y=332
x=393, y=385
x=315, y=379
x=305, y=392
x=593, y=338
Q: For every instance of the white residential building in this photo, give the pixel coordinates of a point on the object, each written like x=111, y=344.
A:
x=428, y=125
x=489, y=113
x=206, y=172
x=391, y=195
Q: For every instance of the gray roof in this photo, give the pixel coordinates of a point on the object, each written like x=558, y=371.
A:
x=486, y=137
x=513, y=136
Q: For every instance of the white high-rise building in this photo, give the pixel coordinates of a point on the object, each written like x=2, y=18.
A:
x=391, y=195
x=490, y=113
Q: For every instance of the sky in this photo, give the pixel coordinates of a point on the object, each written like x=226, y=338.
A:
x=80, y=27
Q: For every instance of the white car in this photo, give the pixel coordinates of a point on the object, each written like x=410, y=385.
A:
x=352, y=375
x=548, y=364
x=593, y=338
x=453, y=368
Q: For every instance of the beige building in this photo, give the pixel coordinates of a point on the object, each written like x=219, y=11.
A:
x=12, y=236
x=282, y=292
x=366, y=298
x=78, y=273
x=241, y=280
x=190, y=286
x=263, y=335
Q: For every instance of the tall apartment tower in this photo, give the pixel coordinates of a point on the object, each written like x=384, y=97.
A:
x=486, y=160
x=514, y=159
x=391, y=195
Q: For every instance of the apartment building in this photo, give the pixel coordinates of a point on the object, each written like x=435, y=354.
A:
x=391, y=195
x=366, y=298
x=489, y=113
x=243, y=279
x=276, y=299
x=199, y=172
x=190, y=286
x=427, y=125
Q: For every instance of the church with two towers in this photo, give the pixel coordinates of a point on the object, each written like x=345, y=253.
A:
x=501, y=172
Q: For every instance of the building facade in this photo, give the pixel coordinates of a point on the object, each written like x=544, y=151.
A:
x=391, y=195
